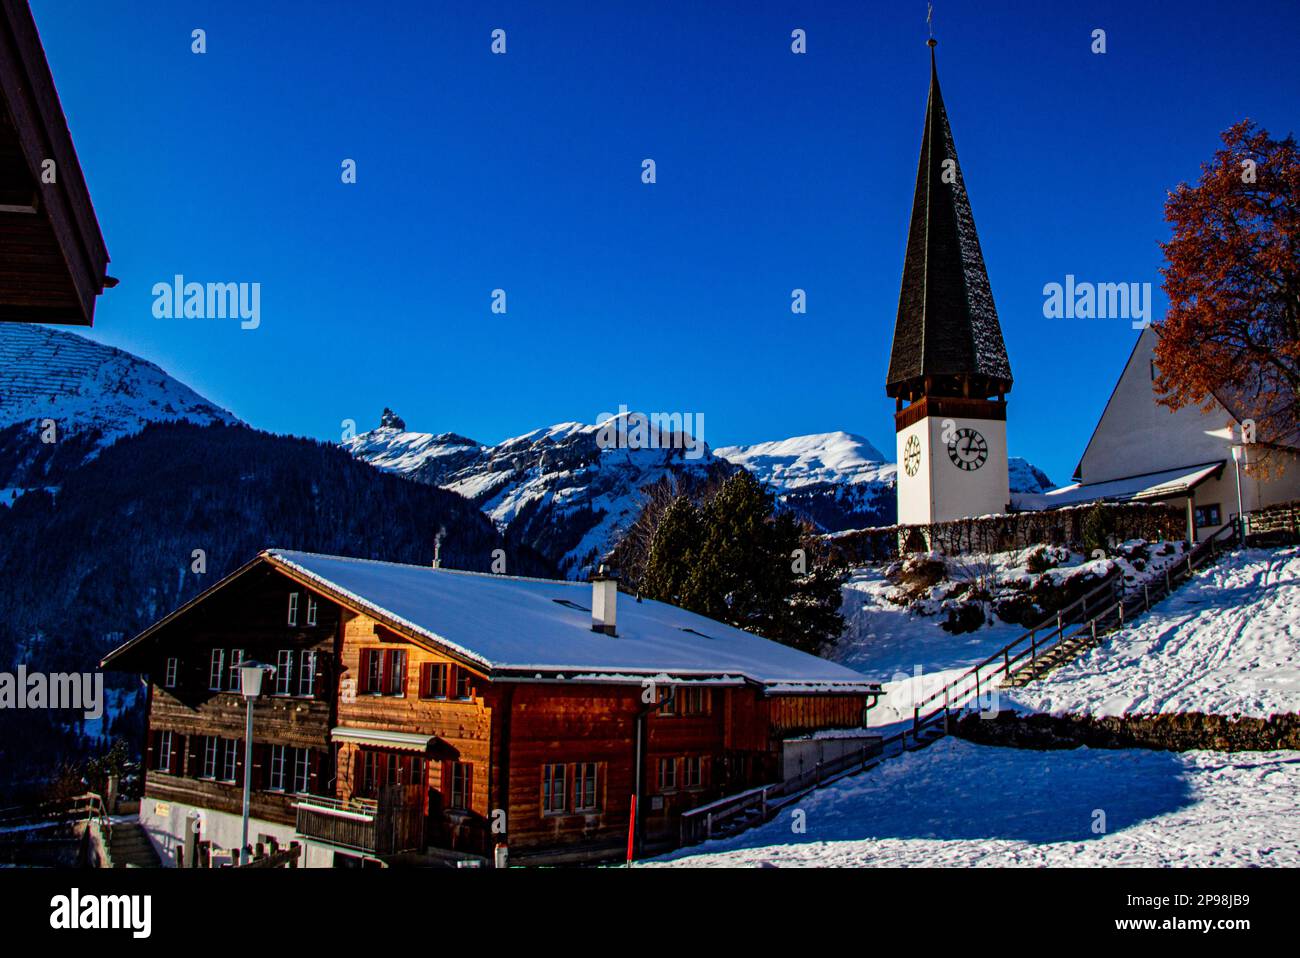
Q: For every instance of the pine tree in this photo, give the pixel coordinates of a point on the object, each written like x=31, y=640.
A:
x=736, y=558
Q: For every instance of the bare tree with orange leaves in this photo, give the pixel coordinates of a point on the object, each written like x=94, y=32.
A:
x=1232, y=275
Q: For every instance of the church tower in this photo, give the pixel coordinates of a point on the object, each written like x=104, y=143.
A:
x=948, y=370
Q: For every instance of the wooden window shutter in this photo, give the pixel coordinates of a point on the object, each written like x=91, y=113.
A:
x=444, y=785
x=178, y=751
x=151, y=742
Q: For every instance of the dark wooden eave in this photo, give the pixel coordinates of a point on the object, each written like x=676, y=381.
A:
x=947, y=338
x=52, y=254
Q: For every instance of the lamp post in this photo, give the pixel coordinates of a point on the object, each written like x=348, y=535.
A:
x=1239, y=454
x=251, y=675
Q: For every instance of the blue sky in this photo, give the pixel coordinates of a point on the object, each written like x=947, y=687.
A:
x=523, y=172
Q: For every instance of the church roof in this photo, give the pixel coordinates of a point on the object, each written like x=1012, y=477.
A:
x=947, y=323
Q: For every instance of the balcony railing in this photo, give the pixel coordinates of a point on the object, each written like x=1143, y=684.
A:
x=392, y=824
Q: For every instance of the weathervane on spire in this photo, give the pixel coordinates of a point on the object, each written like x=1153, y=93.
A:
x=929, y=22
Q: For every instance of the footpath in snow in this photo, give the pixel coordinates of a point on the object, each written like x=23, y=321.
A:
x=1226, y=643
x=960, y=804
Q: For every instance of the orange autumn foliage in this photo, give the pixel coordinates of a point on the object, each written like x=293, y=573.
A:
x=1232, y=275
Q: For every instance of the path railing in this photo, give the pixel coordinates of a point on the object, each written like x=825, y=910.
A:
x=1103, y=609
x=1100, y=611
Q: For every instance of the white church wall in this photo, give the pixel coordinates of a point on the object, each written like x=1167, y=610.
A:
x=1136, y=435
x=941, y=490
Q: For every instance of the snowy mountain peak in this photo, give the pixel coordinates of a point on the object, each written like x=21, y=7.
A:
x=84, y=385
x=390, y=420
x=839, y=457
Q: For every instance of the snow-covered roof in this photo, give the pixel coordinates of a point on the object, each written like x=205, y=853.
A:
x=517, y=627
x=1151, y=485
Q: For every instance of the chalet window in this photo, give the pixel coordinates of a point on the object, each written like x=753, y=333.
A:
x=302, y=770
x=217, y=670
x=311, y=610
x=163, y=752
x=667, y=774
x=395, y=672
x=1208, y=515
x=284, y=672
x=277, y=768
x=460, y=784
x=169, y=679
x=433, y=680
x=463, y=678
x=210, y=756
x=584, y=787
x=671, y=707
x=553, y=792
x=236, y=660
x=230, y=759
x=383, y=671
x=369, y=773
x=692, y=772
x=306, y=672
x=417, y=770
x=293, y=608
x=692, y=701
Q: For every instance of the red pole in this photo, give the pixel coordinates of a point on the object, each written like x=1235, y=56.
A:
x=631, y=831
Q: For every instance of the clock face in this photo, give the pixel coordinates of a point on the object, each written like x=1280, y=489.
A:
x=968, y=449
x=912, y=456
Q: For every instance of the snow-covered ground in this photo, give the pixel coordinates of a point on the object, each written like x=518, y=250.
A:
x=960, y=804
x=1228, y=642
x=905, y=647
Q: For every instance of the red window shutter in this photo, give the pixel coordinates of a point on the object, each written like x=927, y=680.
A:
x=151, y=742
x=469, y=785
x=313, y=771
x=178, y=750
x=260, y=760
x=445, y=784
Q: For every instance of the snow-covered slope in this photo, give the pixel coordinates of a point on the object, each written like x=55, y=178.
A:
x=95, y=394
x=835, y=480
x=555, y=488
x=807, y=460
x=959, y=804
x=1228, y=642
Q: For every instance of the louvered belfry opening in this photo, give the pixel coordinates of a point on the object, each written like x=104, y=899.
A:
x=947, y=339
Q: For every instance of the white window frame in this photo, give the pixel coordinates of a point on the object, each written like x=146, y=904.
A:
x=236, y=660
x=668, y=783
x=276, y=778
x=169, y=677
x=579, y=779
x=550, y=795
x=210, y=757
x=467, y=798
x=301, y=771
x=230, y=760
x=163, y=761
x=697, y=763
x=311, y=609
x=307, y=673
x=217, y=671
x=293, y=608
x=284, y=672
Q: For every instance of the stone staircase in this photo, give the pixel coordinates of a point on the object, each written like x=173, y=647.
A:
x=130, y=847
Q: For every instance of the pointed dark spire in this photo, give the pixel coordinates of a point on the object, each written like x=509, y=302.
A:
x=947, y=339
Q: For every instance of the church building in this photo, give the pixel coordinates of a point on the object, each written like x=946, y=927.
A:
x=948, y=370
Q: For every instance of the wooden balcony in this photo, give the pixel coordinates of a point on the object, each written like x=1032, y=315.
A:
x=384, y=827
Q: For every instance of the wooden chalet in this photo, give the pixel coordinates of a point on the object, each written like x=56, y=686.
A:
x=428, y=713
x=52, y=254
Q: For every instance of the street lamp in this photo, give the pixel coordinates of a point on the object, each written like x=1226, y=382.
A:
x=1238, y=455
x=251, y=675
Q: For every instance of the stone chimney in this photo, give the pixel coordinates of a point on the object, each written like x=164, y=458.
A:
x=604, y=601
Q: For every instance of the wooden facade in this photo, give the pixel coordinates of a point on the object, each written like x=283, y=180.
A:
x=416, y=746
x=52, y=254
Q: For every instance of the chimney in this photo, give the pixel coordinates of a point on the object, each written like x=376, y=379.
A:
x=437, y=548
x=604, y=601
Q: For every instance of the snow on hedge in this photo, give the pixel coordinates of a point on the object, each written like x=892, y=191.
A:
x=1227, y=643
x=959, y=804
